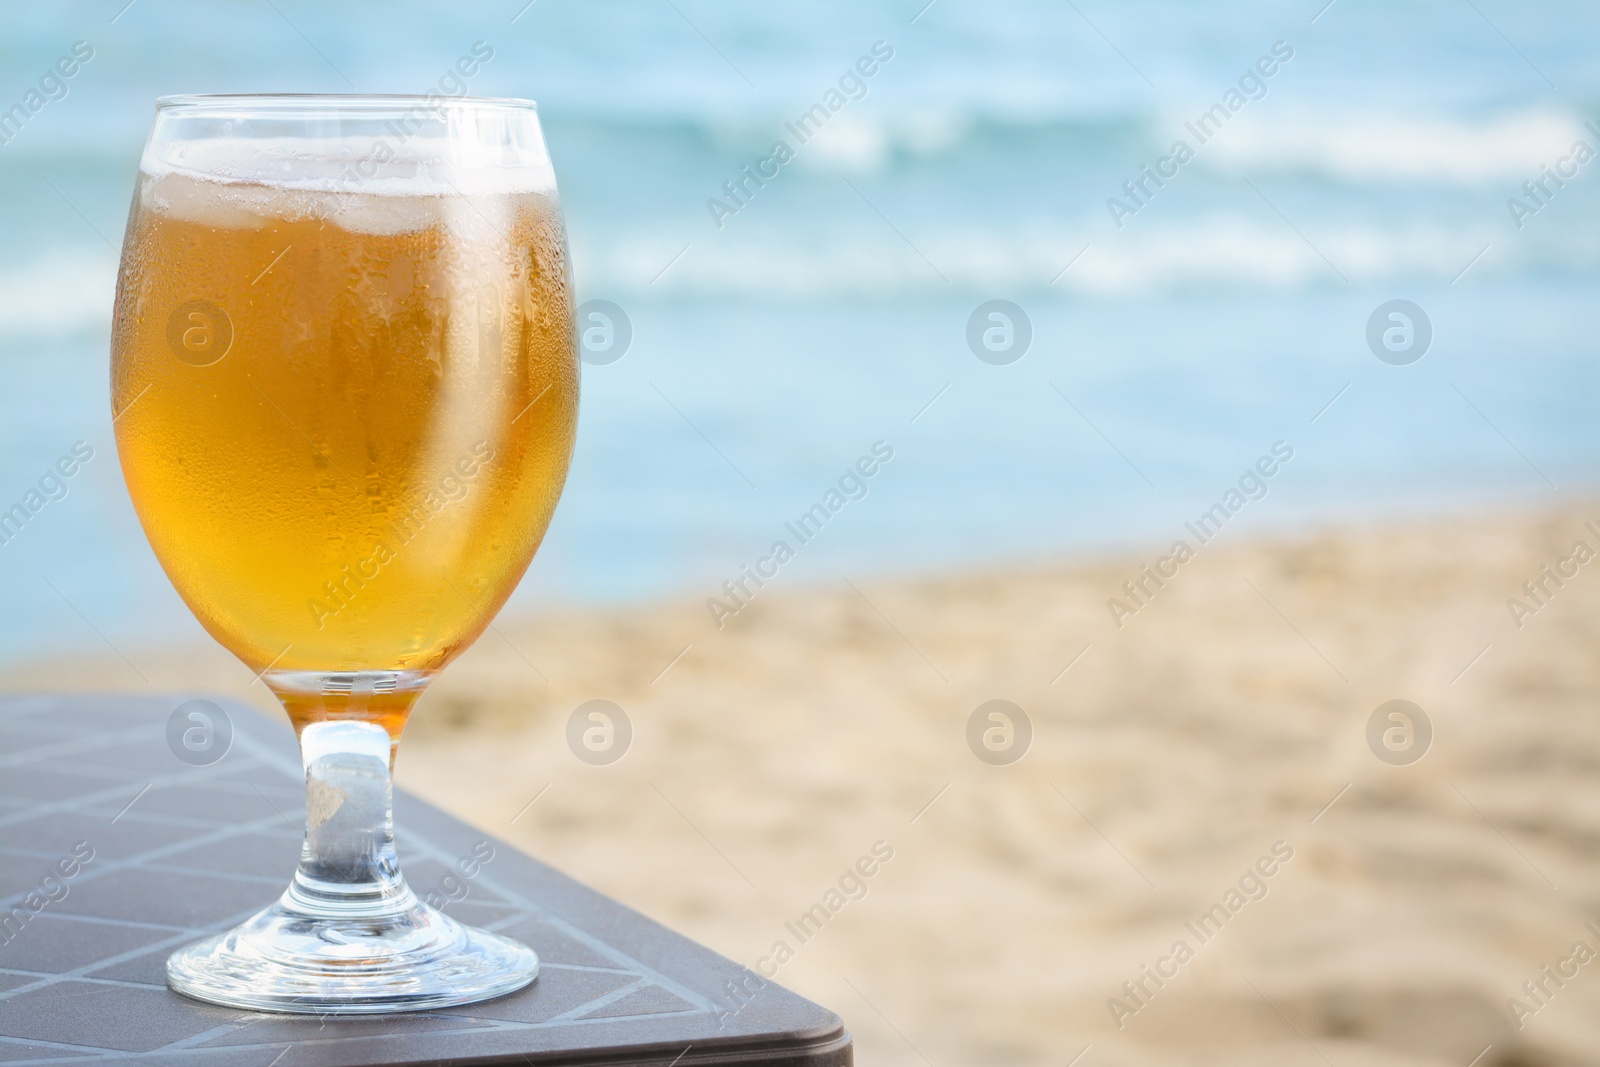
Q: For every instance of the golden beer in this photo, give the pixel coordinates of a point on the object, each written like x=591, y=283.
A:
x=344, y=417
x=345, y=388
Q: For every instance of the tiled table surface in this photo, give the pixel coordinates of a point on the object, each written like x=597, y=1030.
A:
x=180, y=851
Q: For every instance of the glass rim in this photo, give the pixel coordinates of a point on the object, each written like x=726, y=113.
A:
x=308, y=102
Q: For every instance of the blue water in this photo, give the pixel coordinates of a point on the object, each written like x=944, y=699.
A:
x=1222, y=316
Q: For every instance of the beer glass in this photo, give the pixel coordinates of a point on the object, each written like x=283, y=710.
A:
x=345, y=392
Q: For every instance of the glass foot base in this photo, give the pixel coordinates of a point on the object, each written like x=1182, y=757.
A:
x=287, y=960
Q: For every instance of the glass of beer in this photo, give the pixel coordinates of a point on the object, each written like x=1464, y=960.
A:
x=345, y=390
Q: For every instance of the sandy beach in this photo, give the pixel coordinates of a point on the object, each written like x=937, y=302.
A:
x=1199, y=775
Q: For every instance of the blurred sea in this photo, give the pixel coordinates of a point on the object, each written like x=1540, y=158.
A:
x=771, y=351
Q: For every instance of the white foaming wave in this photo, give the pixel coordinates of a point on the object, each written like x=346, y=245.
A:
x=63, y=293
x=851, y=141
x=1220, y=252
x=1228, y=252
x=71, y=291
x=1378, y=147
x=1353, y=147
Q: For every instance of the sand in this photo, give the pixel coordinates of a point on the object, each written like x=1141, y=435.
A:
x=1225, y=719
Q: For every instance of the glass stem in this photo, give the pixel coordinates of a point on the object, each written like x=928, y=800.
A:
x=348, y=865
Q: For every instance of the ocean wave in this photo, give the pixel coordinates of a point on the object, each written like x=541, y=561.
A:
x=70, y=292
x=1222, y=252
x=1348, y=148
x=62, y=293
x=1386, y=147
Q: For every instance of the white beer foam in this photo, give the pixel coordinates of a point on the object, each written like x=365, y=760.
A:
x=244, y=183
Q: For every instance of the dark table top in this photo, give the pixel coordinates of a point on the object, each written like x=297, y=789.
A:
x=180, y=850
